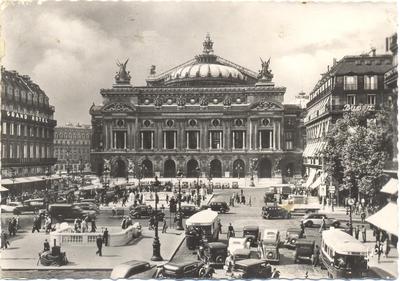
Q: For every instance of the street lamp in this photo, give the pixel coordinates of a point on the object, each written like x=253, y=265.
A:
x=179, y=175
x=198, y=186
x=156, y=243
x=253, y=167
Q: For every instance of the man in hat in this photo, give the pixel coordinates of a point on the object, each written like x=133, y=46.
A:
x=99, y=243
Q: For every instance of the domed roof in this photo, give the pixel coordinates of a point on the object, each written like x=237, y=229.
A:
x=204, y=70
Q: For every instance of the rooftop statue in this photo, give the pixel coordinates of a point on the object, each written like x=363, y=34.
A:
x=122, y=75
x=265, y=72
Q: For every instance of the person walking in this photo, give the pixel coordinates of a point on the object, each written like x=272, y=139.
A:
x=105, y=237
x=322, y=225
x=363, y=216
x=231, y=231
x=387, y=247
x=165, y=226
x=35, y=224
x=315, y=257
x=357, y=232
x=99, y=243
x=378, y=235
x=123, y=223
x=302, y=229
x=93, y=225
x=4, y=240
x=364, y=233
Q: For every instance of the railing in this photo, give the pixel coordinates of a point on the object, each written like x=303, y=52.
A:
x=66, y=236
x=44, y=161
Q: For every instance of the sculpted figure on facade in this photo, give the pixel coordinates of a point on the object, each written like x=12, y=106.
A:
x=122, y=75
x=181, y=101
x=227, y=101
x=107, y=165
x=203, y=101
x=158, y=102
x=265, y=73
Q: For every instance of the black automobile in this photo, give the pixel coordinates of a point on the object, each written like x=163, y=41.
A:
x=219, y=206
x=188, y=210
x=131, y=269
x=252, y=232
x=251, y=269
x=31, y=205
x=304, y=250
x=69, y=212
x=271, y=212
x=215, y=253
x=145, y=211
x=186, y=269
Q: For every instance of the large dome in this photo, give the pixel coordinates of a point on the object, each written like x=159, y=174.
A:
x=207, y=70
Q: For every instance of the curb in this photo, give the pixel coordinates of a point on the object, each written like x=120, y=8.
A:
x=177, y=248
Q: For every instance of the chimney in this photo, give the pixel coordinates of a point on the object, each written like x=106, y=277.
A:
x=334, y=61
x=328, y=68
x=373, y=50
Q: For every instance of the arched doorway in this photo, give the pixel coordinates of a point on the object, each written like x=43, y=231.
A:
x=264, y=168
x=120, y=170
x=169, y=169
x=192, y=166
x=147, y=168
x=238, y=169
x=216, y=168
x=289, y=170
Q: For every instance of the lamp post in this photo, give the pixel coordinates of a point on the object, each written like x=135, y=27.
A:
x=179, y=176
x=81, y=169
x=198, y=186
x=253, y=167
x=156, y=243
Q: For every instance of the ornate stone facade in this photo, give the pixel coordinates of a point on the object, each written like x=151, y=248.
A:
x=208, y=117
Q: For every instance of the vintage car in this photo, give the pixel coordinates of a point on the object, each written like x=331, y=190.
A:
x=270, y=245
x=69, y=212
x=252, y=233
x=292, y=235
x=315, y=219
x=304, y=250
x=251, y=269
x=31, y=205
x=130, y=268
x=272, y=212
x=10, y=207
x=235, y=185
x=88, y=206
x=215, y=253
x=220, y=207
x=241, y=254
x=235, y=243
x=188, y=210
x=186, y=269
x=145, y=211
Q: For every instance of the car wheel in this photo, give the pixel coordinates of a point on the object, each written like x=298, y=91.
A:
x=308, y=224
x=293, y=241
x=219, y=259
x=336, y=224
x=202, y=271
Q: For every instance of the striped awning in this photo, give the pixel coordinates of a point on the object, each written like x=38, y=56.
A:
x=386, y=218
x=310, y=178
x=318, y=181
x=3, y=189
x=391, y=187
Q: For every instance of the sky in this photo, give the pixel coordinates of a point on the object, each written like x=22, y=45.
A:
x=70, y=49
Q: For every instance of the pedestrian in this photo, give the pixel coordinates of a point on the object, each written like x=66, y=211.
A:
x=315, y=256
x=35, y=224
x=378, y=235
x=84, y=225
x=220, y=226
x=46, y=246
x=357, y=232
x=99, y=243
x=387, y=247
x=250, y=201
x=114, y=210
x=231, y=231
x=302, y=229
x=93, y=225
x=124, y=201
x=4, y=240
x=105, y=237
x=364, y=233
x=229, y=263
x=363, y=216
x=123, y=223
x=151, y=223
x=322, y=225
x=164, y=228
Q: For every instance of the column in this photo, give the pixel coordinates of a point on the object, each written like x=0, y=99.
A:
x=114, y=140
x=270, y=139
x=141, y=140
x=198, y=139
x=210, y=136
x=259, y=140
x=244, y=139
x=250, y=133
x=175, y=139
x=152, y=139
x=279, y=136
x=136, y=134
x=274, y=136
x=221, y=140
x=106, y=137
x=234, y=140
x=255, y=136
x=187, y=140
x=164, y=138
x=124, y=140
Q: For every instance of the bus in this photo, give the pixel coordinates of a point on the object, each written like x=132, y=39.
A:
x=208, y=222
x=342, y=255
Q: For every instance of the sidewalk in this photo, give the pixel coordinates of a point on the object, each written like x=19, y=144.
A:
x=23, y=253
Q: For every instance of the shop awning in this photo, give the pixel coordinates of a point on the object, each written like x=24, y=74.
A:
x=386, y=218
x=3, y=189
x=317, y=182
x=310, y=178
x=391, y=187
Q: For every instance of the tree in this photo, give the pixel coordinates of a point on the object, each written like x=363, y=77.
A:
x=357, y=148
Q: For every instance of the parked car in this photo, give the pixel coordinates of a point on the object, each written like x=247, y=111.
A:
x=145, y=211
x=235, y=243
x=215, y=253
x=31, y=205
x=252, y=233
x=251, y=269
x=315, y=219
x=69, y=212
x=292, y=235
x=304, y=250
x=270, y=245
x=189, y=210
x=272, y=212
x=10, y=207
x=186, y=269
x=220, y=207
x=131, y=268
x=88, y=206
x=241, y=254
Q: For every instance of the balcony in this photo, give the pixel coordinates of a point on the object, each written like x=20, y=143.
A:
x=28, y=161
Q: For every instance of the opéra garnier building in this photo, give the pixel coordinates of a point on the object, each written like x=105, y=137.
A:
x=208, y=117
